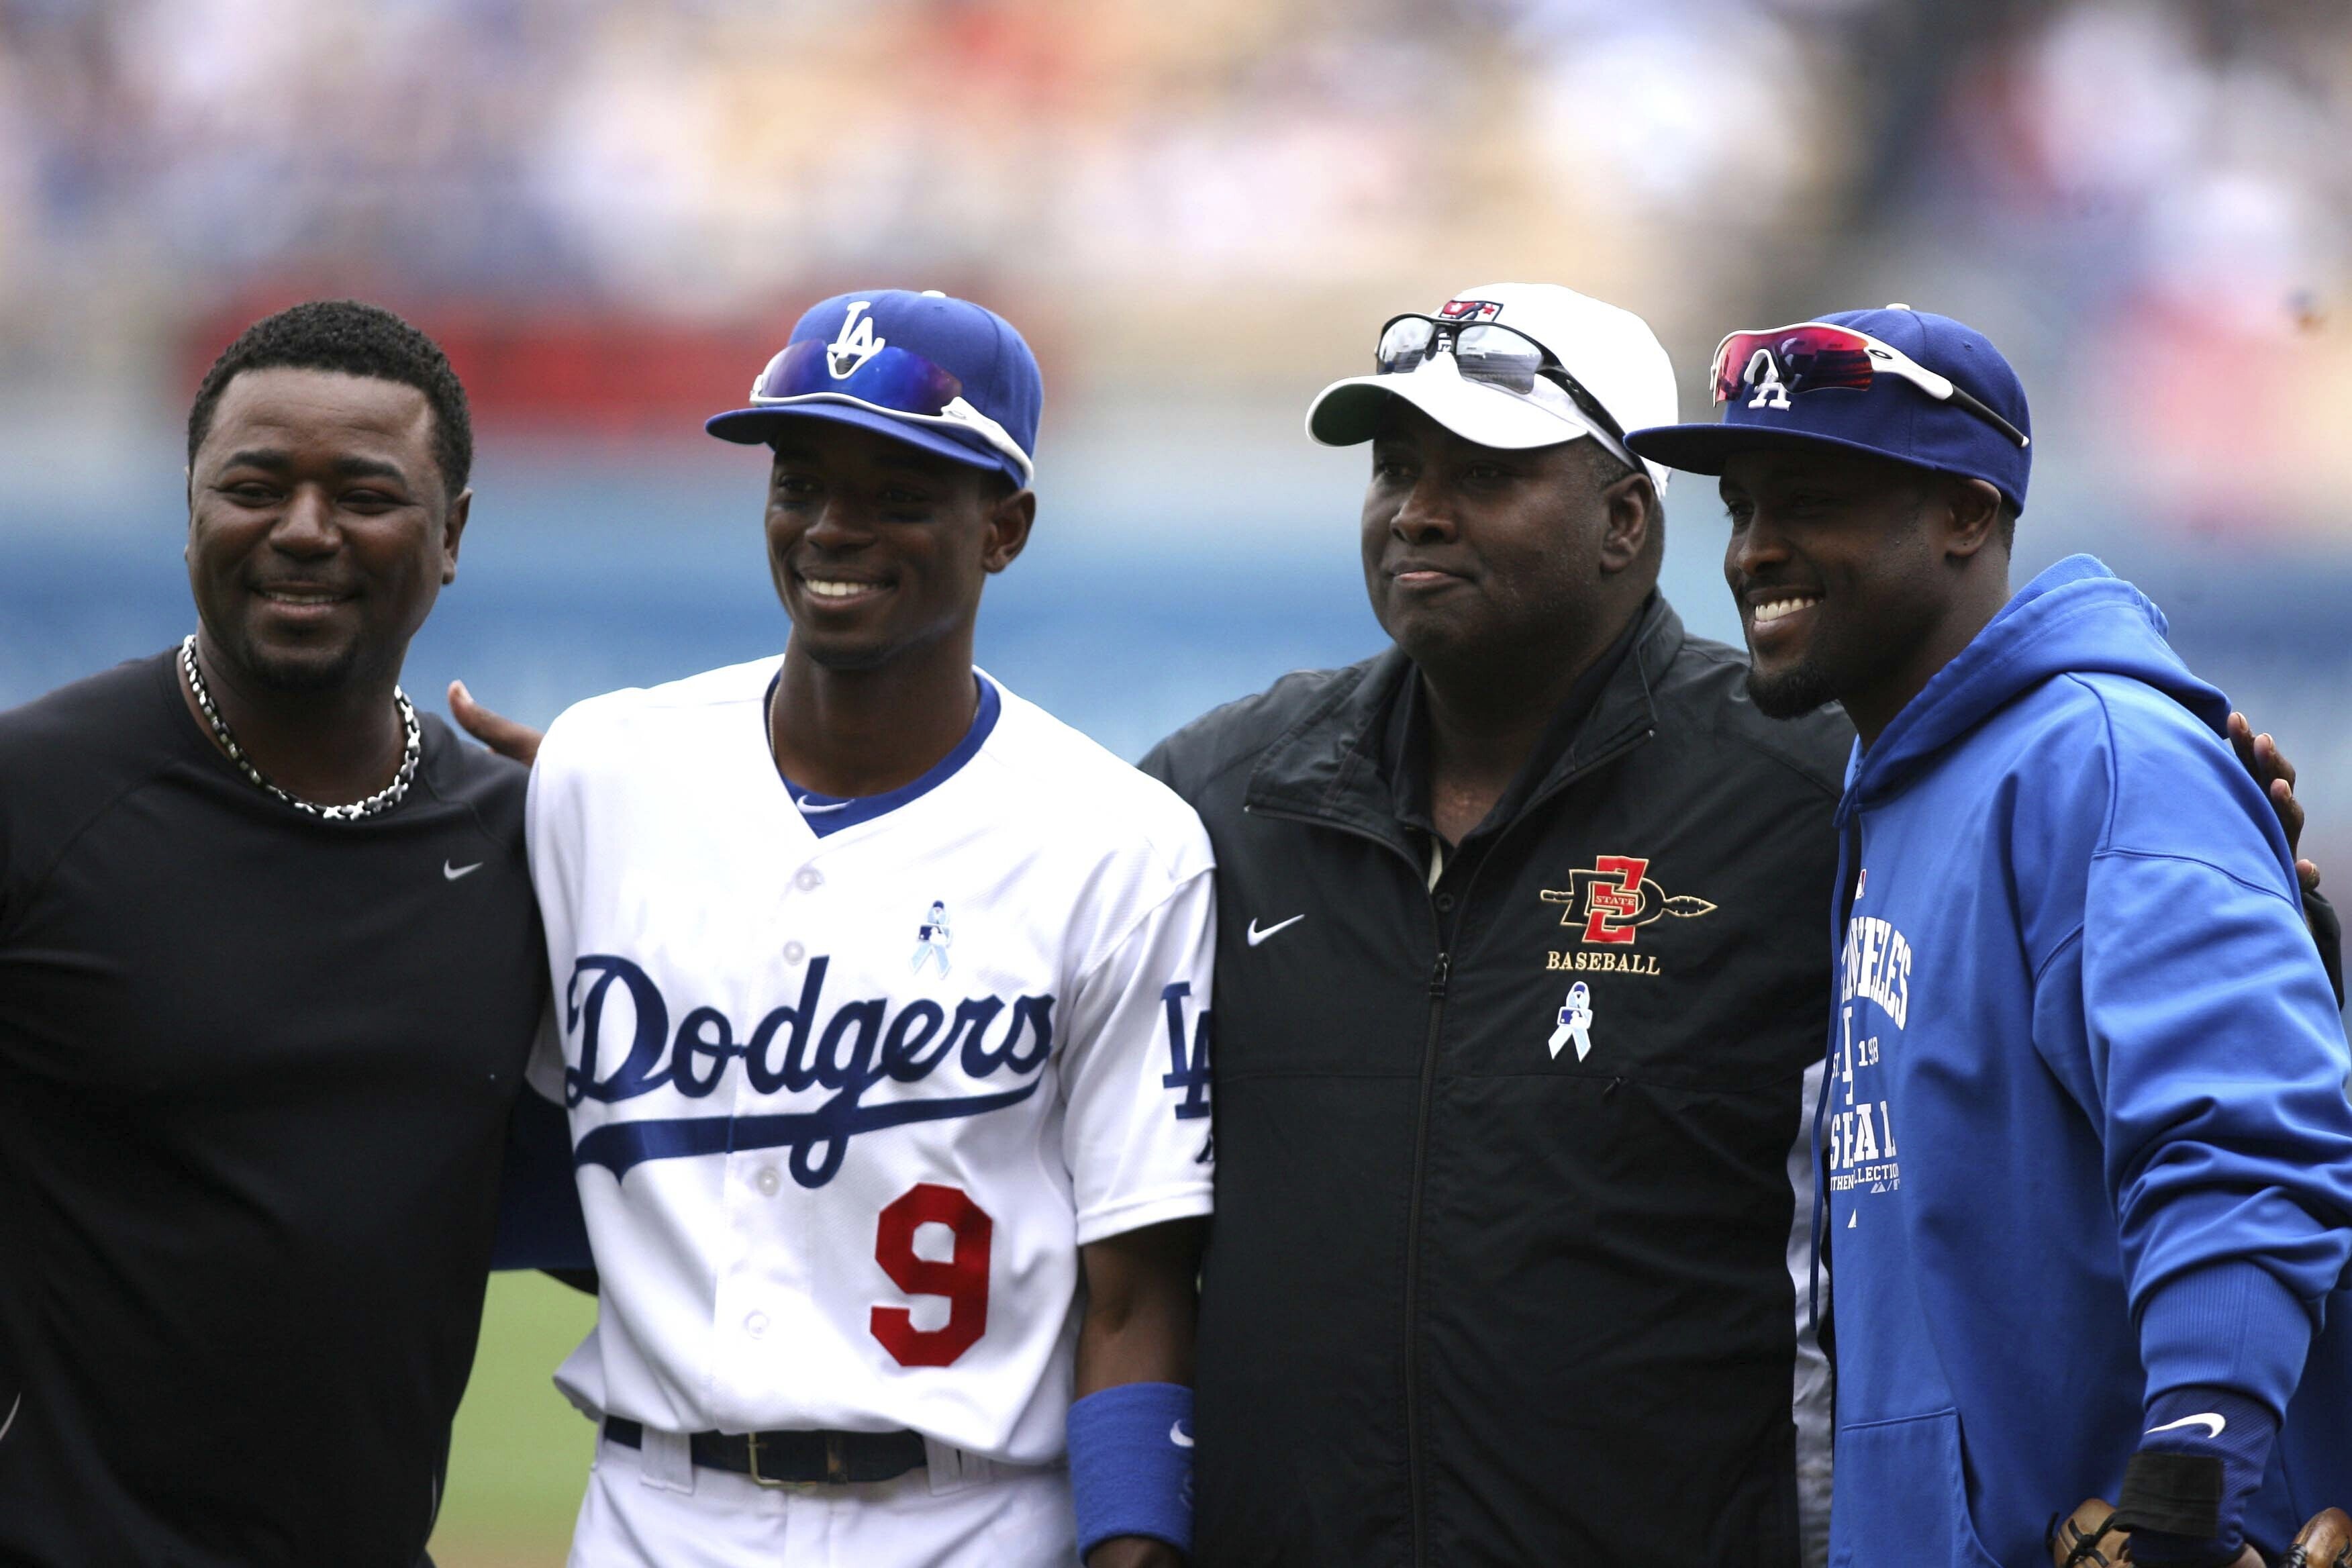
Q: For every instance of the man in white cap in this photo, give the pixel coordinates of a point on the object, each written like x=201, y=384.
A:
x=1473, y=1297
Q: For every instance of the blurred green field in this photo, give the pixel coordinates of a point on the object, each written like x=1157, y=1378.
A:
x=519, y=1460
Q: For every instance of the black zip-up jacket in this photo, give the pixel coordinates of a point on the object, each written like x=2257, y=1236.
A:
x=1500, y=1270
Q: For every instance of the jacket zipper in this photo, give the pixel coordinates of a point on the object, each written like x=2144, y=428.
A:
x=1414, y=1482
x=1416, y=1478
x=1439, y=976
x=1824, y=1326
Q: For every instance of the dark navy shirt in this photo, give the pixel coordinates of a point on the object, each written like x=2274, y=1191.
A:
x=255, y=1077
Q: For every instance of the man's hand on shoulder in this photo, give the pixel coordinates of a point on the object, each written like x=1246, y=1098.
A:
x=2275, y=774
x=521, y=742
x=2268, y=764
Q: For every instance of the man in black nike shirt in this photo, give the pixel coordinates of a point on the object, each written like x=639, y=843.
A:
x=270, y=969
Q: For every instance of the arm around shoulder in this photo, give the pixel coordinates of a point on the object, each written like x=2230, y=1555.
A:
x=1191, y=760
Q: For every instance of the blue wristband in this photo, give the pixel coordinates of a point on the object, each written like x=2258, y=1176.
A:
x=1131, y=1463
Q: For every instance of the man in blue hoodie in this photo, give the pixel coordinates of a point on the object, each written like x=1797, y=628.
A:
x=2085, y=1144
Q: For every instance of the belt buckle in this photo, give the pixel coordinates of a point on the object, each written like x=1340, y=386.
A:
x=751, y=1451
x=836, y=1462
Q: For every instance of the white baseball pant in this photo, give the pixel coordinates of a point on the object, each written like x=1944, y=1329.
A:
x=651, y=1507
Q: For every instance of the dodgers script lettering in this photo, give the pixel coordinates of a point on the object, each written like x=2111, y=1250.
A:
x=793, y=1048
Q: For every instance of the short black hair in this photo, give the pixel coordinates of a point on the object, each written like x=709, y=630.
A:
x=352, y=339
x=1609, y=470
x=1605, y=466
x=2009, y=525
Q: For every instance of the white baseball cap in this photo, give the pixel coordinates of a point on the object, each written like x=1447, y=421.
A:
x=1615, y=361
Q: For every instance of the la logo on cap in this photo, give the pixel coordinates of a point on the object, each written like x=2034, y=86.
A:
x=1771, y=392
x=856, y=343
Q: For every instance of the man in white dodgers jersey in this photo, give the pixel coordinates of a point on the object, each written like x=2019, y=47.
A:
x=844, y=1201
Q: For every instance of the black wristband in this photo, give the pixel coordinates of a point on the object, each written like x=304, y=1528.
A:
x=2180, y=1494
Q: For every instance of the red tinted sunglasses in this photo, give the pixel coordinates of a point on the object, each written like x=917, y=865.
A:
x=1781, y=362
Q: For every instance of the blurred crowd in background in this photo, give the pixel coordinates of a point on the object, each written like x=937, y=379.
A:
x=610, y=211
x=2144, y=202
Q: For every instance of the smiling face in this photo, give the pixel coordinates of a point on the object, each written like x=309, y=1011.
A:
x=1481, y=556
x=320, y=529
x=1838, y=562
x=879, y=548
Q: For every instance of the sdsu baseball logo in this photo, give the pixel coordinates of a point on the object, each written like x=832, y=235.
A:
x=1615, y=897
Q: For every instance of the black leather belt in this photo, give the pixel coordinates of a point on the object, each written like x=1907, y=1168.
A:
x=786, y=1458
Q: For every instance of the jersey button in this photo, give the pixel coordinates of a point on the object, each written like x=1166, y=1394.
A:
x=767, y=1181
x=810, y=879
x=756, y=1324
x=794, y=952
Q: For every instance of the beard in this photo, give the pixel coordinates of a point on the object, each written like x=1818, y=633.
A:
x=295, y=671
x=1792, y=692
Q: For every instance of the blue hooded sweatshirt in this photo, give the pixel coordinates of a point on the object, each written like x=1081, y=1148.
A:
x=2084, y=1137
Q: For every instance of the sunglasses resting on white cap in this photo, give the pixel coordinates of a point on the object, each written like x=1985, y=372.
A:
x=1512, y=365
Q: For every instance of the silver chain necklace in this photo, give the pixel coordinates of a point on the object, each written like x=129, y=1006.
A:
x=382, y=800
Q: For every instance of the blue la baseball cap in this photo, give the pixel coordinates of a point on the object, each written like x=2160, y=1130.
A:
x=948, y=376
x=1944, y=398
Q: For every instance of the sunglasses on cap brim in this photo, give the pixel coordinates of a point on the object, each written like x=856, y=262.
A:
x=1506, y=360
x=1781, y=362
x=893, y=381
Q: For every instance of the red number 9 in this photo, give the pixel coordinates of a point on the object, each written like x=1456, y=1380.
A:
x=963, y=1278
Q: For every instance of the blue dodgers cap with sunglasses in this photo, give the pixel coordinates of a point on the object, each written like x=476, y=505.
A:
x=1769, y=401
x=943, y=374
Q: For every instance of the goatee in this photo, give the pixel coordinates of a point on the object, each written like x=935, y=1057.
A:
x=325, y=671
x=1790, y=694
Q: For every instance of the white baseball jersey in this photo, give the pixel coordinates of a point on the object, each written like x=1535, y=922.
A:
x=851, y=1081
